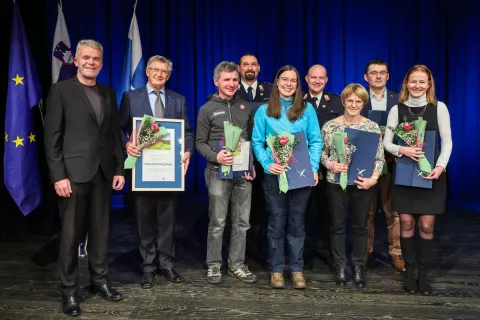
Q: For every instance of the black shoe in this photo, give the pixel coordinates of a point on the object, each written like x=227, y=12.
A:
x=148, y=280
x=70, y=306
x=359, y=276
x=340, y=279
x=423, y=283
x=107, y=293
x=171, y=275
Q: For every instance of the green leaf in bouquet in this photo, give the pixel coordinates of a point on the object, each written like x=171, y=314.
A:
x=130, y=162
x=339, y=145
x=283, y=182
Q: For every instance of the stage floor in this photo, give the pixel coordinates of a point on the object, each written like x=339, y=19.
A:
x=29, y=287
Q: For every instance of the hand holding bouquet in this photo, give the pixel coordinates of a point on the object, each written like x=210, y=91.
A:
x=413, y=134
x=282, y=150
x=147, y=134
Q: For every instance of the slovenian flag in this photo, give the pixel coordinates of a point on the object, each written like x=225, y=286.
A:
x=62, y=56
x=133, y=71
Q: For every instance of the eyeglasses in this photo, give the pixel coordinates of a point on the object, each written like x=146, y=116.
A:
x=376, y=73
x=284, y=79
x=161, y=71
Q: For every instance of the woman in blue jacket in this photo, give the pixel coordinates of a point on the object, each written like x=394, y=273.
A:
x=286, y=111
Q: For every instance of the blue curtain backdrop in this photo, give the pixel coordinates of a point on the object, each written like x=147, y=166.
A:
x=341, y=35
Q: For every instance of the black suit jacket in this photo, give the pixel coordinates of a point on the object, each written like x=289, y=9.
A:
x=135, y=103
x=75, y=143
x=264, y=90
x=330, y=107
x=392, y=99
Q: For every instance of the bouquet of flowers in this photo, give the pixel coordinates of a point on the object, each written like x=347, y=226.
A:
x=147, y=134
x=282, y=150
x=231, y=138
x=413, y=134
x=344, y=149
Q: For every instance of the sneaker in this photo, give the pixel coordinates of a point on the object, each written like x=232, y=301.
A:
x=214, y=275
x=243, y=274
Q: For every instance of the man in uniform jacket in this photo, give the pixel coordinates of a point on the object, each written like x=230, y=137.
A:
x=328, y=106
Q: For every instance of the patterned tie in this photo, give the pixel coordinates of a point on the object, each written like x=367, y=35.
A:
x=250, y=94
x=159, y=108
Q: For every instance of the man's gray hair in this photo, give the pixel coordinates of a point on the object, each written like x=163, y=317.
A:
x=89, y=43
x=224, y=66
x=161, y=59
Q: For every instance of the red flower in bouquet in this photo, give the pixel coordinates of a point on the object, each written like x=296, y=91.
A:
x=407, y=126
x=283, y=141
x=155, y=127
x=345, y=140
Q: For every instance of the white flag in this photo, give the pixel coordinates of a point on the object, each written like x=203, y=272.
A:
x=62, y=57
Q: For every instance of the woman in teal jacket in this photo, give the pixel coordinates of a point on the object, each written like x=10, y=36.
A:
x=286, y=111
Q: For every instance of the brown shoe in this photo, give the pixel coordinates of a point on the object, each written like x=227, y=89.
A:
x=398, y=263
x=298, y=280
x=277, y=281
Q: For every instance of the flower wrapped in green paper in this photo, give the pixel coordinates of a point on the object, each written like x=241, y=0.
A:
x=413, y=134
x=282, y=151
x=344, y=149
x=147, y=134
x=232, y=135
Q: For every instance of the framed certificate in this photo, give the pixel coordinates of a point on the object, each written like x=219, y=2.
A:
x=159, y=166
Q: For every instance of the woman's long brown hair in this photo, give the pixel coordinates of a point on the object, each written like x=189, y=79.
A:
x=274, y=107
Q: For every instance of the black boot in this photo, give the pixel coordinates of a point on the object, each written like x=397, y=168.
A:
x=408, y=253
x=359, y=276
x=340, y=277
x=424, y=254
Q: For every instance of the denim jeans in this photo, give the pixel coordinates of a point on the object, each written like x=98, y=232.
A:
x=235, y=194
x=286, y=216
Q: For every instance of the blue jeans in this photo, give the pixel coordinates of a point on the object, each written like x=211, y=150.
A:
x=286, y=216
x=237, y=194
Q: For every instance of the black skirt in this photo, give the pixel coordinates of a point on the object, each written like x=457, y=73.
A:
x=419, y=200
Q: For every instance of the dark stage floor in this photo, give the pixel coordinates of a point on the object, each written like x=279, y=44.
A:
x=29, y=288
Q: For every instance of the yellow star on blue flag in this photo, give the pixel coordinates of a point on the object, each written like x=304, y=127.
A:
x=18, y=80
x=31, y=137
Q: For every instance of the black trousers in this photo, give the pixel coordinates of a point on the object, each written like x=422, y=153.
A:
x=155, y=213
x=318, y=222
x=89, y=204
x=358, y=201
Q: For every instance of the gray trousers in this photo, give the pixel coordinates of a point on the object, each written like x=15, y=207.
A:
x=235, y=194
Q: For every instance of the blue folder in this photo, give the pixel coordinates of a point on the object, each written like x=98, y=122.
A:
x=380, y=117
x=235, y=174
x=363, y=159
x=407, y=171
x=300, y=173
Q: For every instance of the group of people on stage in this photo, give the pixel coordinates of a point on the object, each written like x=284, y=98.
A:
x=86, y=138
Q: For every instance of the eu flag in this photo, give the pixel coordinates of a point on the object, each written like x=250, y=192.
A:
x=21, y=172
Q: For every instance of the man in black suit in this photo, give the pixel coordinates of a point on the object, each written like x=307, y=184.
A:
x=85, y=159
x=155, y=211
x=382, y=99
x=328, y=106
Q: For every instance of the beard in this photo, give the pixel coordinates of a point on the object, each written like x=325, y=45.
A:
x=250, y=75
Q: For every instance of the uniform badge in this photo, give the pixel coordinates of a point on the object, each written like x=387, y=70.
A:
x=260, y=87
x=242, y=106
x=324, y=106
x=327, y=98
